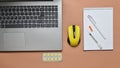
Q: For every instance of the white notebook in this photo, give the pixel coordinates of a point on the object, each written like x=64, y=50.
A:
x=98, y=28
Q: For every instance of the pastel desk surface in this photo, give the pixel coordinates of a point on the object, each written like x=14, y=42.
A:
x=72, y=57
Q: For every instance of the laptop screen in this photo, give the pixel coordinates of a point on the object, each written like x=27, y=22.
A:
x=22, y=0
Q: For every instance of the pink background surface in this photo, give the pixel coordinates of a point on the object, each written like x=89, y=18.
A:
x=72, y=57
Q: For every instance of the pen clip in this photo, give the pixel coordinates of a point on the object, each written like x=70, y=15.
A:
x=91, y=19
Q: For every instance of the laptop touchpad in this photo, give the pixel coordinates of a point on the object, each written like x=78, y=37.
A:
x=14, y=40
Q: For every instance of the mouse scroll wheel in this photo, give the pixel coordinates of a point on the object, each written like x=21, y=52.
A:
x=74, y=30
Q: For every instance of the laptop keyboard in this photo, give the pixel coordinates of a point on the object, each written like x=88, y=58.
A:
x=29, y=16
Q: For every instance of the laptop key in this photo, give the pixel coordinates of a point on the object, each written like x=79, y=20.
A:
x=33, y=25
x=14, y=26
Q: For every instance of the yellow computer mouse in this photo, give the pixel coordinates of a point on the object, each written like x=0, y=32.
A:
x=74, y=35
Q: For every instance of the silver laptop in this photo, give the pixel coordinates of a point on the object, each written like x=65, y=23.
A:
x=30, y=25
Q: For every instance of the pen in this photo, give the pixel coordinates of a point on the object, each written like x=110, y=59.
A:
x=93, y=22
x=99, y=46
